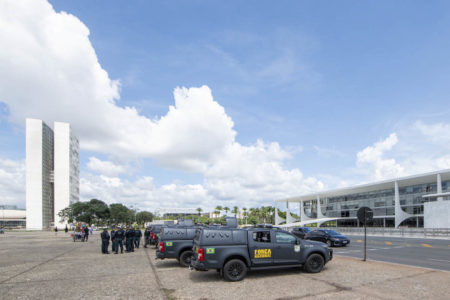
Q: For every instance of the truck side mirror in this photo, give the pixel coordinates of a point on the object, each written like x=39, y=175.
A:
x=297, y=242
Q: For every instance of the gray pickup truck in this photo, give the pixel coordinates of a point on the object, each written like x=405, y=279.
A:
x=235, y=251
x=176, y=242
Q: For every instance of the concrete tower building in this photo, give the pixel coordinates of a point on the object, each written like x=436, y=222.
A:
x=52, y=167
x=66, y=169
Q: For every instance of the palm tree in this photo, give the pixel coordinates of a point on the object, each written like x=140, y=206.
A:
x=218, y=209
x=235, y=210
x=199, y=210
x=245, y=214
x=226, y=209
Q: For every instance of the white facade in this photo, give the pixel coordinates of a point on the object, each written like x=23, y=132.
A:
x=66, y=169
x=39, y=166
x=176, y=211
x=437, y=214
x=52, y=166
x=397, y=202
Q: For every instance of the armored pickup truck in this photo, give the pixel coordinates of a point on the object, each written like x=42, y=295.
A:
x=177, y=241
x=233, y=252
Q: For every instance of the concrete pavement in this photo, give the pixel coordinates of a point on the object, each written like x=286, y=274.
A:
x=38, y=265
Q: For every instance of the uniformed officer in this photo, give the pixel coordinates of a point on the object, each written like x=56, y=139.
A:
x=146, y=237
x=118, y=238
x=137, y=237
x=105, y=241
x=130, y=239
x=113, y=240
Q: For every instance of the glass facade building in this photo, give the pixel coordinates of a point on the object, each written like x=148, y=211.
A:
x=394, y=203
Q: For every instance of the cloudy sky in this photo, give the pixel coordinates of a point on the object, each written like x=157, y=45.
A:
x=205, y=103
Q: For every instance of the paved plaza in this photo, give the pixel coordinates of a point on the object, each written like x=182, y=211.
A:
x=40, y=265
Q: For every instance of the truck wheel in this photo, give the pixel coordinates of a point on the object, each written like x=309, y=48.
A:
x=314, y=263
x=185, y=258
x=234, y=270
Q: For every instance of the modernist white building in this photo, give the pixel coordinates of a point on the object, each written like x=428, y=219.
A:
x=52, y=171
x=415, y=201
x=176, y=212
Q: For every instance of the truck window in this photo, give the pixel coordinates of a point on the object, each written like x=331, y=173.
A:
x=261, y=236
x=285, y=238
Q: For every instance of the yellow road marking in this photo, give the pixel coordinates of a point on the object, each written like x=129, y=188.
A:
x=388, y=243
x=360, y=241
x=427, y=246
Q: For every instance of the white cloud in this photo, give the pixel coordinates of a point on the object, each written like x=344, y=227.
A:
x=373, y=163
x=50, y=71
x=107, y=168
x=12, y=182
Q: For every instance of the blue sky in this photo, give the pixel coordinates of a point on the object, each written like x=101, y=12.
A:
x=325, y=80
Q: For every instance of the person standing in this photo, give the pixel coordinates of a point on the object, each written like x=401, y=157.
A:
x=113, y=240
x=137, y=237
x=146, y=237
x=130, y=239
x=118, y=239
x=66, y=229
x=105, y=241
x=86, y=233
x=56, y=230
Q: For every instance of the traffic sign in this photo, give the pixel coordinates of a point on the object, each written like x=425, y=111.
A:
x=365, y=215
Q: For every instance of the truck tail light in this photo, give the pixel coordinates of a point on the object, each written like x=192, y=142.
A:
x=161, y=247
x=201, y=254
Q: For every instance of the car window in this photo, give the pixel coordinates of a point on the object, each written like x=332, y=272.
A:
x=285, y=238
x=261, y=236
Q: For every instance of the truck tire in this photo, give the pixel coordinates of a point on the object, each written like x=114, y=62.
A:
x=234, y=270
x=314, y=263
x=185, y=258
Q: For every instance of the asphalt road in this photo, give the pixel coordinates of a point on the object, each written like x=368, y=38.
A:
x=428, y=253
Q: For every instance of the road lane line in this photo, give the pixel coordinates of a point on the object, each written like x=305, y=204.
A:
x=360, y=241
x=427, y=245
x=439, y=260
x=388, y=243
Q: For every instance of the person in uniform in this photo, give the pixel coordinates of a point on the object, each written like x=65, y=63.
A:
x=137, y=237
x=130, y=239
x=113, y=237
x=86, y=233
x=118, y=239
x=146, y=237
x=105, y=241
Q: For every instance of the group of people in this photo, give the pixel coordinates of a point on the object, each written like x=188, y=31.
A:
x=131, y=237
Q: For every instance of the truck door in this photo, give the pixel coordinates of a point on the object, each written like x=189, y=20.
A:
x=260, y=246
x=285, y=249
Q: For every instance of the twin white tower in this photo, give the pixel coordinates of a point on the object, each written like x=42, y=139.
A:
x=52, y=163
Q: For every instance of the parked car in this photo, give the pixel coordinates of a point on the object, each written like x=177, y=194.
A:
x=301, y=231
x=233, y=252
x=331, y=237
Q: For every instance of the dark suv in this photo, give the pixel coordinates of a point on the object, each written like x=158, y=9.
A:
x=233, y=252
x=331, y=237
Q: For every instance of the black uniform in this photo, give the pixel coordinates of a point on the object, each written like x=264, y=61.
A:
x=86, y=234
x=130, y=240
x=113, y=240
x=146, y=237
x=137, y=237
x=118, y=238
x=105, y=241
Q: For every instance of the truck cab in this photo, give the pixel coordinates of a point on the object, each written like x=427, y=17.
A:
x=235, y=251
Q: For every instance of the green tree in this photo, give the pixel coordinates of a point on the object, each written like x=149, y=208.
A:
x=92, y=211
x=226, y=209
x=235, y=210
x=199, y=210
x=143, y=217
x=66, y=215
x=120, y=214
